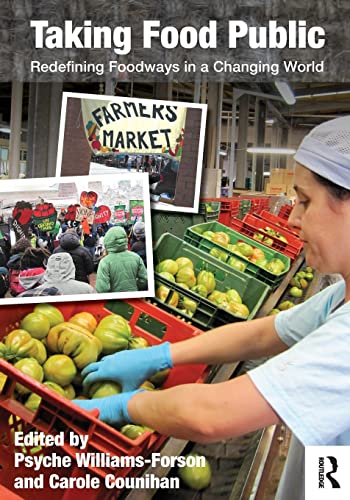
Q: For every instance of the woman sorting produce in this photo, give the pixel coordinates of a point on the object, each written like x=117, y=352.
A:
x=306, y=383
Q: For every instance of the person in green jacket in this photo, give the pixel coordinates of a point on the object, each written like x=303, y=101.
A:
x=120, y=270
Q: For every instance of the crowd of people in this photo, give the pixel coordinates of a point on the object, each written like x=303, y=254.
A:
x=45, y=263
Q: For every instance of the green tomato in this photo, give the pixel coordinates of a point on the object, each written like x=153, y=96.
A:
x=273, y=312
x=53, y=314
x=104, y=389
x=30, y=367
x=295, y=292
x=286, y=304
x=36, y=324
x=196, y=477
x=132, y=431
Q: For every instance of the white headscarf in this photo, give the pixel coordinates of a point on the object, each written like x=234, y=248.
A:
x=326, y=151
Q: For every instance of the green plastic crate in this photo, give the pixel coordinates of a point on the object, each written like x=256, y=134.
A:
x=176, y=223
x=207, y=314
x=212, y=214
x=197, y=240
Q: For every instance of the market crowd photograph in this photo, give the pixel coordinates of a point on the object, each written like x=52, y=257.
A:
x=69, y=240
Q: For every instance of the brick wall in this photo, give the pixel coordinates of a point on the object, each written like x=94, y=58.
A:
x=76, y=150
x=186, y=179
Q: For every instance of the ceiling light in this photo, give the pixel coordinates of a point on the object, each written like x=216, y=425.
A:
x=324, y=94
x=286, y=92
x=272, y=151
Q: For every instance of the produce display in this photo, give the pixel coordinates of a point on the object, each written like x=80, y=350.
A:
x=201, y=288
x=239, y=251
x=53, y=351
x=182, y=272
x=244, y=250
x=271, y=232
x=53, y=348
x=277, y=221
x=298, y=285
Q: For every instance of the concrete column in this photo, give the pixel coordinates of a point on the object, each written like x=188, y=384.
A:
x=197, y=89
x=16, y=129
x=54, y=124
x=213, y=130
x=260, y=124
x=275, y=141
x=242, y=141
x=163, y=91
x=204, y=90
x=219, y=124
x=43, y=124
x=284, y=143
x=231, y=165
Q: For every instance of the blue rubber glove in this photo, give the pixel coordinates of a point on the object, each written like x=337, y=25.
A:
x=113, y=409
x=129, y=368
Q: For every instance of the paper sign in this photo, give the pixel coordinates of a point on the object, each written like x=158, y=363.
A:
x=44, y=216
x=130, y=126
x=95, y=186
x=71, y=212
x=85, y=213
x=22, y=216
x=102, y=214
x=88, y=199
x=136, y=210
x=67, y=190
x=120, y=214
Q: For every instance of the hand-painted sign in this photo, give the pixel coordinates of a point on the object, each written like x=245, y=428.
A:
x=102, y=214
x=120, y=214
x=127, y=125
x=88, y=199
x=22, y=216
x=85, y=213
x=71, y=212
x=44, y=216
x=136, y=210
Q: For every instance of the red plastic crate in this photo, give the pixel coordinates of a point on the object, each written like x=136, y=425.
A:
x=275, y=219
x=57, y=414
x=257, y=203
x=251, y=225
x=285, y=211
x=226, y=204
x=225, y=218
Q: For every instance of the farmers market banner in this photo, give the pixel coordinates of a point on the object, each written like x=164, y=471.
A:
x=134, y=126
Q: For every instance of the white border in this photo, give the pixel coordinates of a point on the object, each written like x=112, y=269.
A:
x=158, y=206
x=5, y=187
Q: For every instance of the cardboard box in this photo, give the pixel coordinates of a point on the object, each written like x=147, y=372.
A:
x=277, y=176
x=290, y=192
x=271, y=188
x=289, y=177
x=282, y=176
